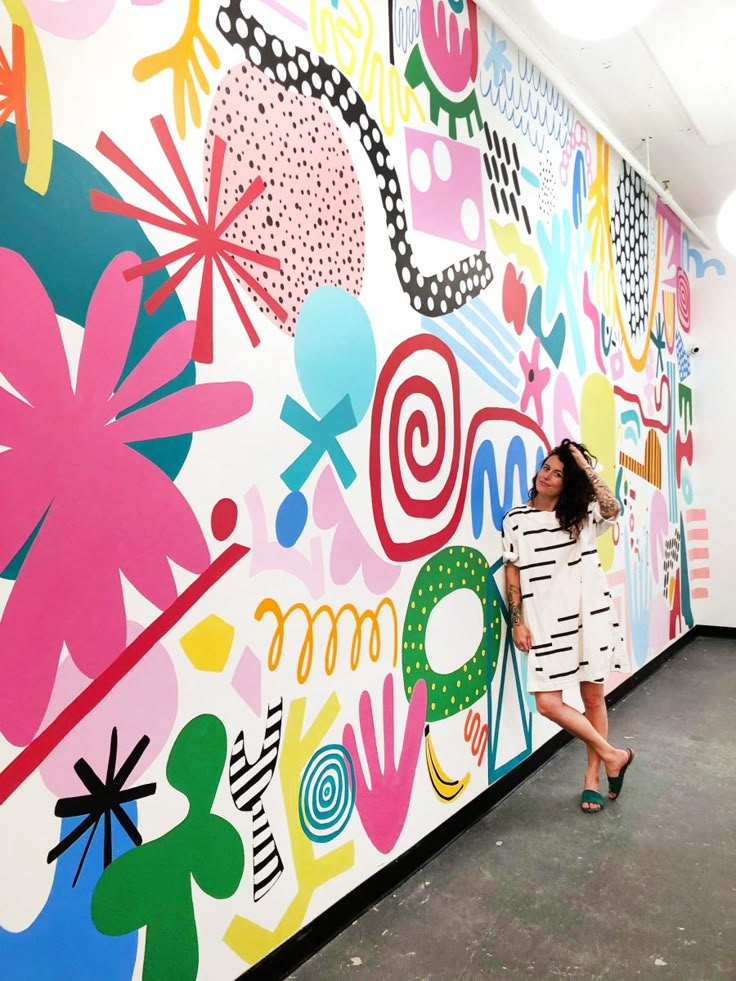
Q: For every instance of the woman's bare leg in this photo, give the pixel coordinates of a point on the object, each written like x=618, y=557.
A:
x=597, y=714
x=551, y=706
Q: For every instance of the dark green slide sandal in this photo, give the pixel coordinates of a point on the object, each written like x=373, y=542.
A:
x=591, y=797
x=616, y=783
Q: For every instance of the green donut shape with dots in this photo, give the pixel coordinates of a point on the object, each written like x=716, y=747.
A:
x=455, y=567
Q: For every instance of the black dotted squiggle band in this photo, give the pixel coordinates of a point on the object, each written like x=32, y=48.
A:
x=310, y=75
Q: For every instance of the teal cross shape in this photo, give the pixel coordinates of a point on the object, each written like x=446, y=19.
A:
x=322, y=435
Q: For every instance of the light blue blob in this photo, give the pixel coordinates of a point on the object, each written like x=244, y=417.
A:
x=687, y=489
x=335, y=351
x=291, y=519
x=63, y=942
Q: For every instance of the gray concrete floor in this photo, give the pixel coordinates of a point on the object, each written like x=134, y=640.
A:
x=536, y=889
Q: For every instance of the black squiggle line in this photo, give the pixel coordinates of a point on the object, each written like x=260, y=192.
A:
x=306, y=73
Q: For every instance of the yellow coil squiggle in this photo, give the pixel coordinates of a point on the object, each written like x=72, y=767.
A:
x=306, y=654
x=350, y=36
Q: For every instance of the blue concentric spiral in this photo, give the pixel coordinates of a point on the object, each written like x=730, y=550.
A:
x=327, y=793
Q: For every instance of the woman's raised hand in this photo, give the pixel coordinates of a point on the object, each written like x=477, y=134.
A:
x=578, y=457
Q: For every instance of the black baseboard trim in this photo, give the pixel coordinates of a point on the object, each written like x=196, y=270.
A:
x=325, y=927
x=710, y=630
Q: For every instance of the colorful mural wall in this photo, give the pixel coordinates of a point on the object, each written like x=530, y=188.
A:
x=294, y=297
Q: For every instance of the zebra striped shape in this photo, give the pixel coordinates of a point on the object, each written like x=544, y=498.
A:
x=248, y=781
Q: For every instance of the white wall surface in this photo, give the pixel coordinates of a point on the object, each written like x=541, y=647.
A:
x=714, y=400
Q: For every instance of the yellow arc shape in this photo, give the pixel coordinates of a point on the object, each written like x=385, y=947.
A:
x=637, y=363
x=41, y=143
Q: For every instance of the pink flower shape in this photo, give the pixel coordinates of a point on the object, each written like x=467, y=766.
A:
x=536, y=381
x=454, y=59
x=103, y=508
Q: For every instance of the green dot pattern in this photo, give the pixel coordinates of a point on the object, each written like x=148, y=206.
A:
x=455, y=567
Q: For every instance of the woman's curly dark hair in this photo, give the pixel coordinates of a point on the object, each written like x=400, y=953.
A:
x=577, y=492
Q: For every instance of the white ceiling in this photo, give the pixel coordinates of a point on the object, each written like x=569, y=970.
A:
x=671, y=79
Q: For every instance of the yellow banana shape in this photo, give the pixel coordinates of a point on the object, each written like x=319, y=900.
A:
x=446, y=789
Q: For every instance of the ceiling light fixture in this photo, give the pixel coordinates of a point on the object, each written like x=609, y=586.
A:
x=726, y=223
x=594, y=21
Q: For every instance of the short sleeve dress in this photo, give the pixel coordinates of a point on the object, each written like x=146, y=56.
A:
x=565, y=598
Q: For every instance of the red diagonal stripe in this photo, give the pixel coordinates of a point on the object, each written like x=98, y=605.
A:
x=30, y=758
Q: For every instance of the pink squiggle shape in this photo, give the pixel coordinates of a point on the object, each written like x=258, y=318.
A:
x=672, y=240
x=564, y=405
x=577, y=139
x=72, y=19
x=383, y=800
x=350, y=551
x=269, y=556
x=659, y=524
x=591, y=312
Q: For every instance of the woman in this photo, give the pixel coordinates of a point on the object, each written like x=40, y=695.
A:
x=562, y=613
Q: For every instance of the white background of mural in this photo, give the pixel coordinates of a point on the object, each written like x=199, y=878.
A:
x=530, y=353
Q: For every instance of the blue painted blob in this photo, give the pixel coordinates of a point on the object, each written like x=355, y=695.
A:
x=487, y=474
x=335, y=351
x=579, y=188
x=62, y=942
x=291, y=518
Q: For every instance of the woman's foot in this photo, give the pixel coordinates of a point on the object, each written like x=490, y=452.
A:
x=617, y=770
x=591, y=799
x=591, y=802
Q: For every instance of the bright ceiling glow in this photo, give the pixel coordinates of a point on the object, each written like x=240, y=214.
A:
x=591, y=20
x=726, y=223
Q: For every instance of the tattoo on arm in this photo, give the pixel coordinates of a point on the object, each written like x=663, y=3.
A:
x=514, y=597
x=608, y=504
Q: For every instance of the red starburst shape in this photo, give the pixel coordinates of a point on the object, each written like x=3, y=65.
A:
x=206, y=241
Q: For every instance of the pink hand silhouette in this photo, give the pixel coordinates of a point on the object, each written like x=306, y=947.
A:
x=384, y=801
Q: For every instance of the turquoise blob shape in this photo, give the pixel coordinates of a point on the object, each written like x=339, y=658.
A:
x=335, y=351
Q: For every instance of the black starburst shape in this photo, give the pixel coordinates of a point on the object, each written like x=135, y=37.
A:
x=102, y=802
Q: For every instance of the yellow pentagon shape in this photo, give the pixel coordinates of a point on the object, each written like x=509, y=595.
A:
x=208, y=644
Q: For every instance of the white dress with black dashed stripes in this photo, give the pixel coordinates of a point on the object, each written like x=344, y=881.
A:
x=565, y=599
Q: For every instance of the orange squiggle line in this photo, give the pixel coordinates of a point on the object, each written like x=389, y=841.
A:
x=306, y=653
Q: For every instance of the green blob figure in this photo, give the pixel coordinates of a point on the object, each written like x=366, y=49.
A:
x=151, y=886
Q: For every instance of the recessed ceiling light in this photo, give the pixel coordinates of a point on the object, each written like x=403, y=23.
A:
x=726, y=223
x=594, y=21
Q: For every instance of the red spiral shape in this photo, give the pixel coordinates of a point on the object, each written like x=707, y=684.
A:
x=683, y=299
x=418, y=426
x=402, y=459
